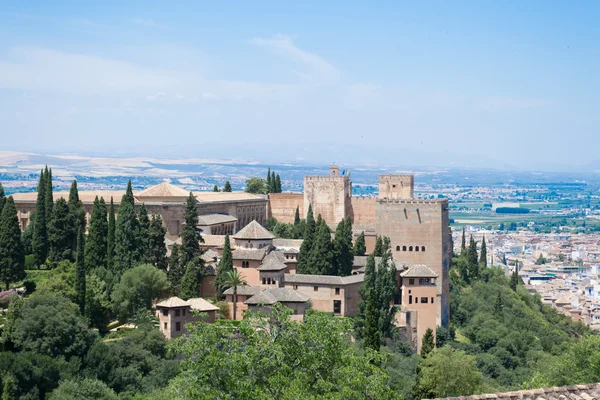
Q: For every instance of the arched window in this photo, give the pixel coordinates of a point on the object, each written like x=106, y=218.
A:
x=422, y=248
x=410, y=248
x=403, y=248
x=397, y=248
x=416, y=248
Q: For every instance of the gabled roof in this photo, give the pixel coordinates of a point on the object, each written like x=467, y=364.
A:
x=274, y=261
x=253, y=231
x=200, y=304
x=575, y=392
x=323, y=279
x=172, y=302
x=244, y=290
x=215, y=219
x=419, y=271
x=281, y=295
x=164, y=189
x=248, y=254
x=287, y=243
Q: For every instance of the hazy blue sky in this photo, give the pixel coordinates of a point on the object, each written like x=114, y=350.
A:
x=497, y=83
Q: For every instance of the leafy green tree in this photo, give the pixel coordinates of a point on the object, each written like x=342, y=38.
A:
x=216, y=189
x=136, y=290
x=256, y=185
x=541, y=260
x=12, y=256
x=227, y=187
x=110, y=237
x=234, y=279
x=96, y=246
x=307, y=243
x=49, y=324
x=360, y=247
x=225, y=266
x=278, y=184
x=427, y=343
x=27, y=234
x=9, y=387
x=449, y=373
x=80, y=272
x=342, y=248
x=442, y=336
x=387, y=291
x=48, y=196
x=142, y=234
x=483, y=256
x=97, y=302
x=157, y=251
x=378, y=251
x=27, y=375
x=125, y=234
x=40, y=233
x=83, y=389
x=60, y=233
x=321, y=253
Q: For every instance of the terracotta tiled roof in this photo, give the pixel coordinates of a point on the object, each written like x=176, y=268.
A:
x=172, y=302
x=274, y=261
x=274, y=295
x=323, y=279
x=214, y=219
x=164, y=189
x=576, y=392
x=287, y=243
x=419, y=271
x=244, y=290
x=248, y=254
x=201, y=305
x=253, y=231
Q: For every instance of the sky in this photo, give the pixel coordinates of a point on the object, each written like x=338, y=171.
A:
x=506, y=84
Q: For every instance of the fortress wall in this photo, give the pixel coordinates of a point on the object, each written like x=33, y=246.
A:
x=329, y=197
x=362, y=211
x=396, y=186
x=282, y=206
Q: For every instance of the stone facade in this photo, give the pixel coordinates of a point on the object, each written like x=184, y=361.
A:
x=396, y=186
x=330, y=196
x=282, y=206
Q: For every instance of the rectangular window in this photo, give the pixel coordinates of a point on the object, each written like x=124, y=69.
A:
x=337, y=290
x=424, y=281
x=316, y=289
x=432, y=300
x=409, y=299
x=411, y=281
x=264, y=281
x=165, y=312
x=337, y=306
x=177, y=313
x=183, y=312
x=295, y=287
x=424, y=300
x=177, y=326
x=165, y=326
x=416, y=300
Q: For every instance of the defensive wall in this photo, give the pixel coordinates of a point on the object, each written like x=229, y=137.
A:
x=282, y=206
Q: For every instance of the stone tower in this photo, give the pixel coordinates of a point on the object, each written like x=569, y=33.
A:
x=396, y=186
x=330, y=196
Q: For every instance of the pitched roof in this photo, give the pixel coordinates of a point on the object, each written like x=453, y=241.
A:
x=213, y=241
x=253, y=231
x=323, y=279
x=164, y=189
x=214, y=219
x=287, y=243
x=576, y=392
x=419, y=271
x=244, y=290
x=172, y=302
x=248, y=254
x=274, y=261
x=200, y=304
x=281, y=295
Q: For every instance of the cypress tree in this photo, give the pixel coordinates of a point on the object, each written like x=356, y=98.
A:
x=320, y=258
x=175, y=269
x=514, y=278
x=427, y=343
x=12, y=256
x=77, y=212
x=125, y=234
x=216, y=188
x=504, y=258
x=96, y=244
x=387, y=289
x=472, y=261
x=2, y=198
x=190, y=236
x=483, y=255
x=157, y=251
x=40, y=232
x=342, y=248
x=227, y=187
x=371, y=334
x=360, y=247
x=80, y=271
x=307, y=243
x=463, y=245
x=225, y=266
x=110, y=237
x=378, y=250
x=49, y=194
x=142, y=234
x=9, y=387
x=60, y=230
x=277, y=184
x=297, y=216
x=269, y=183
x=190, y=283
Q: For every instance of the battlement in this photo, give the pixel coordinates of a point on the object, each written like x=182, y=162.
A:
x=397, y=177
x=435, y=202
x=325, y=178
x=396, y=186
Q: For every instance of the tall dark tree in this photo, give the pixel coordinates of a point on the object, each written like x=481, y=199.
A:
x=110, y=237
x=463, y=243
x=378, y=250
x=60, y=233
x=360, y=247
x=269, y=183
x=427, y=343
x=2, y=198
x=176, y=271
x=320, y=260
x=49, y=194
x=142, y=234
x=39, y=240
x=307, y=243
x=216, y=189
x=225, y=266
x=12, y=256
x=125, y=234
x=190, y=236
x=472, y=261
x=504, y=258
x=190, y=283
x=387, y=290
x=297, y=217
x=80, y=271
x=514, y=278
x=342, y=248
x=371, y=334
x=278, y=184
x=272, y=188
x=96, y=245
x=483, y=255
x=76, y=207
x=227, y=187
x=27, y=235
x=157, y=251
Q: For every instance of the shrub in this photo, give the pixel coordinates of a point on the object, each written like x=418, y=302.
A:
x=223, y=309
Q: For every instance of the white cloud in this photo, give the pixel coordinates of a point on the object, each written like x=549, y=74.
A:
x=284, y=46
